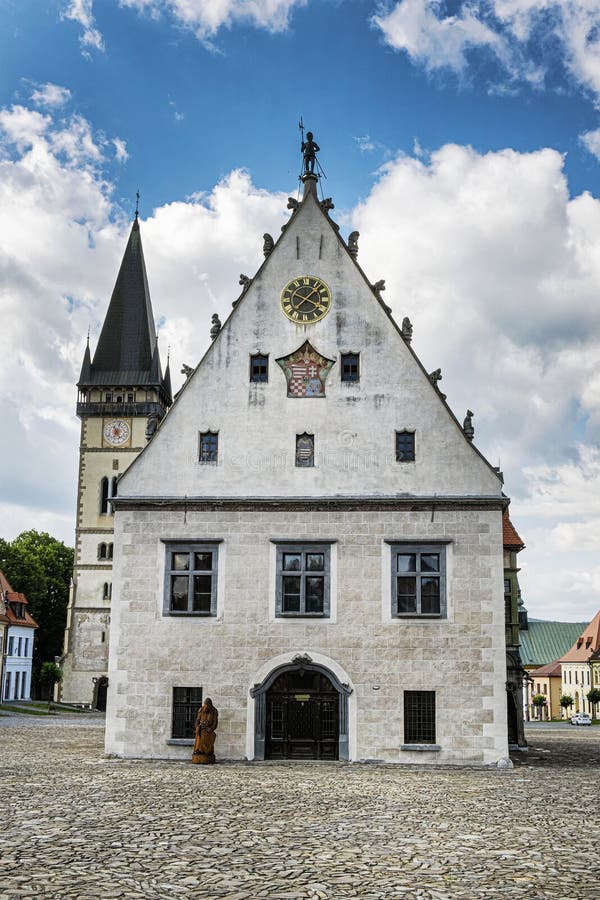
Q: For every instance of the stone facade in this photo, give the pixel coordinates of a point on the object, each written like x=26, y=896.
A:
x=360, y=500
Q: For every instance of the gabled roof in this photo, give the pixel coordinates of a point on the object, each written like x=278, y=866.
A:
x=510, y=538
x=8, y=597
x=552, y=670
x=587, y=643
x=544, y=642
x=127, y=351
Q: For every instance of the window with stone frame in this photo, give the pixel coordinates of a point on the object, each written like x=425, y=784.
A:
x=349, y=369
x=259, y=367
x=186, y=703
x=303, y=580
x=405, y=446
x=191, y=579
x=419, y=717
x=418, y=580
x=209, y=446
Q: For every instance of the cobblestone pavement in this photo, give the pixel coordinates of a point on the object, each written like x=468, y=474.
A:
x=77, y=825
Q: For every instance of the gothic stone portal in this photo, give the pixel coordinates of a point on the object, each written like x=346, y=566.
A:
x=301, y=713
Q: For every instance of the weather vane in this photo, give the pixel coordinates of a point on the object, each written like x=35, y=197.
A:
x=137, y=204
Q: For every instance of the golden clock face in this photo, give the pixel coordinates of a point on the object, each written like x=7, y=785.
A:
x=116, y=432
x=305, y=299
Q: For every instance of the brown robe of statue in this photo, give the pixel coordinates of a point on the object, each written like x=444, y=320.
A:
x=206, y=726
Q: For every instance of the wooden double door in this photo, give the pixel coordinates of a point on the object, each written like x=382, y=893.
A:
x=302, y=717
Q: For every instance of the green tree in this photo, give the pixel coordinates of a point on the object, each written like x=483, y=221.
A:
x=594, y=698
x=50, y=674
x=566, y=701
x=40, y=566
x=539, y=701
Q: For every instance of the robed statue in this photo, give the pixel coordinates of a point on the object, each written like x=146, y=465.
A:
x=206, y=726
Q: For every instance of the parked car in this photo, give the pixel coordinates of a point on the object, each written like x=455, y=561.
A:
x=581, y=719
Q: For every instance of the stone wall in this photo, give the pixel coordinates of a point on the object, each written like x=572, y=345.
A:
x=461, y=657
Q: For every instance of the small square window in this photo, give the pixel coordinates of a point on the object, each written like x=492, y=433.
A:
x=405, y=446
x=419, y=717
x=350, y=367
x=259, y=367
x=209, y=445
x=191, y=580
x=305, y=449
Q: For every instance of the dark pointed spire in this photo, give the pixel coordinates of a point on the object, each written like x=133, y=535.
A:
x=127, y=341
x=86, y=366
x=167, y=380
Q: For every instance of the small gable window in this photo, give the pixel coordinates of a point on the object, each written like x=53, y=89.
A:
x=209, y=446
x=305, y=449
x=259, y=367
x=405, y=446
x=350, y=368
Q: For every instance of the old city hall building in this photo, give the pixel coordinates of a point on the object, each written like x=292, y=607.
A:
x=309, y=535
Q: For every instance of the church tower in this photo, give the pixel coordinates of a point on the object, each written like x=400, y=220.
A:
x=122, y=396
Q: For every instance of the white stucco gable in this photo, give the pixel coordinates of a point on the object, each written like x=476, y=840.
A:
x=354, y=425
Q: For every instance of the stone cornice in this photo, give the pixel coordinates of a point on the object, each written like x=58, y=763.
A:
x=401, y=502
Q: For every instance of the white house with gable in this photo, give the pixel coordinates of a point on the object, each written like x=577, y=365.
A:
x=310, y=538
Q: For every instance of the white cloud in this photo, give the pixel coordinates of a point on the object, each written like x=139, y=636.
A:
x=121, y=154
x=207, y=17
x=434, y=39
x=81, y=11
x=50, y=95
x=591, y=141
x=517, y=32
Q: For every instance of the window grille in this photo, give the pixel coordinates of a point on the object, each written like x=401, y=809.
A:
x=419, y=717
x=186, y=703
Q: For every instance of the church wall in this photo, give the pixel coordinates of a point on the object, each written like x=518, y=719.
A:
x=461, y=657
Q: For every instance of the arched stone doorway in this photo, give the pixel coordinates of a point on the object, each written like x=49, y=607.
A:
x=301, y=712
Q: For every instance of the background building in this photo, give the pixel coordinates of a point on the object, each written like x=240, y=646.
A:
x=18, y=644
x=122, y=395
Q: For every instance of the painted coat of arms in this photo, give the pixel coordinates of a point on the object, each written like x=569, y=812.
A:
x=305, y=371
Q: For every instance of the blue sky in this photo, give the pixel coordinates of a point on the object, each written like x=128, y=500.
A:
x=461, y=139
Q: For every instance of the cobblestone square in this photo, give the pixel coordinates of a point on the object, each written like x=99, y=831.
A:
x=78, y=825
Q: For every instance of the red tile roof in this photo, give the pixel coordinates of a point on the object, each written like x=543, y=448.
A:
x=9, y=597
x=510, y=538
x=587, y=644
x=551, y=670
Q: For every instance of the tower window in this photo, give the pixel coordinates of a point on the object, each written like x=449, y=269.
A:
x=350, y=369
x=259, y=367
x=109, y=551
x=101, y=551
x=405, y=446
x=305, y=449
x=131, y=398
x=104, y=497
x=113, y=486
x=209, y=446
x=108, y=397
x=107, y=590
x=119, y=398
